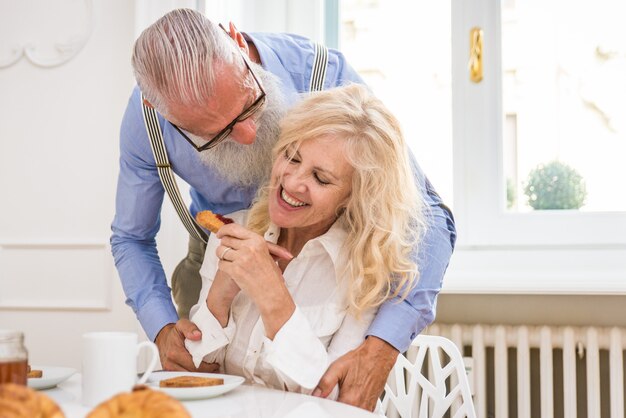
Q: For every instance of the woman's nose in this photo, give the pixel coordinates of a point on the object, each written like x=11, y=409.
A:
x=294, y=180
x=244, y=132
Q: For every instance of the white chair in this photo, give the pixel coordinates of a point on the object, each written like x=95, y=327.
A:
x=431, y=384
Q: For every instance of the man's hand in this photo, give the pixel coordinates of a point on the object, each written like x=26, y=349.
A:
x=361, y=374
x=172, y=351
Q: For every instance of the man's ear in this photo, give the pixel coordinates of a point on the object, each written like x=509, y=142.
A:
x=147, y=103
x=238, y=38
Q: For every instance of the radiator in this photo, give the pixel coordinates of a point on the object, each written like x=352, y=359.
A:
x=576, y=345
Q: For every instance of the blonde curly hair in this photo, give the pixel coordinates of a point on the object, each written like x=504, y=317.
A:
x=384, y=215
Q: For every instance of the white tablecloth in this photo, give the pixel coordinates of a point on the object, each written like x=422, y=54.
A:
x=244, y=401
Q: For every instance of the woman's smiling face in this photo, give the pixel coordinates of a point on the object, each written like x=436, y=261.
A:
x=310, y=185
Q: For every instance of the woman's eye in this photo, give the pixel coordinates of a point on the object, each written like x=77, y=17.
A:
x=320, y=180
x=292, y=159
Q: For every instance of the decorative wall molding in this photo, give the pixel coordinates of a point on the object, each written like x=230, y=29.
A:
x=81, y=274
x=52, y=51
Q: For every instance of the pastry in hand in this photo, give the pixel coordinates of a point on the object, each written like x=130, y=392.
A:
x=18, y=401
x=142, y=402
x=212, y=221
x=190, y=382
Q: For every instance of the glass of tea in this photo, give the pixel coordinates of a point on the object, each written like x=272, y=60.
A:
x=13, y=357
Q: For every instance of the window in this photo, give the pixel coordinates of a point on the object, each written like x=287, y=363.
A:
x=409, y=70
x=553, y=90
x=565, y=91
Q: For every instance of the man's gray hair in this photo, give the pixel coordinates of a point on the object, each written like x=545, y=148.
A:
x=173, y=58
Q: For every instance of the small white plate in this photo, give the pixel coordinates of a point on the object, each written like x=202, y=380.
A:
x=202, y=392
x=51, y=376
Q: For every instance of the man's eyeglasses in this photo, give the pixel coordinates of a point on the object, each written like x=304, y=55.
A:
x=223, y=134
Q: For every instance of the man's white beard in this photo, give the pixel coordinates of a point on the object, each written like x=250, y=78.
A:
x=250, y=165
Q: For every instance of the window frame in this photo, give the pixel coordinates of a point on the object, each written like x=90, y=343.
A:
x=560, y=252
x=542, y=252
x=477, y=139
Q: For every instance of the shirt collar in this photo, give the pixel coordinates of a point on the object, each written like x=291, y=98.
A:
x=272, y=233
x=330, y=242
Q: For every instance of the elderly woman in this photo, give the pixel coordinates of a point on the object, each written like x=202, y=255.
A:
x=341, y=198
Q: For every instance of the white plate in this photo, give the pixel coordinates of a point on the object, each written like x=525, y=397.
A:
x=202, y=392
x=51, y=377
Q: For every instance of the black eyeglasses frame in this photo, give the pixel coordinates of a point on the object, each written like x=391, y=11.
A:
x=248, y=112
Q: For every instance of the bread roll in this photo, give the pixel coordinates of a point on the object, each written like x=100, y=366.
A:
x=140, y=403
x=17, y=401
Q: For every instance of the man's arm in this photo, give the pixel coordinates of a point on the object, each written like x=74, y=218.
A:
x=397, y=322
x=137, y=210
x=137, y=220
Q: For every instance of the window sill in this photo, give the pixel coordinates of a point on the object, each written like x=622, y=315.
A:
x=537, y=270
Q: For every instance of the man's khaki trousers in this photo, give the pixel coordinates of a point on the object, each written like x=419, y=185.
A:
x=186, y=280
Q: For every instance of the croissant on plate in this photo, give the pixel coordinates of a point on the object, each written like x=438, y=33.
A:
x=18, y=401
x=142, y=402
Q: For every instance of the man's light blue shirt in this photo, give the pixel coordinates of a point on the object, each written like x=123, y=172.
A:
x=140, y=197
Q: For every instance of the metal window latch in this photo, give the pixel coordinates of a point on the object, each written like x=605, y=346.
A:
x=475, y=64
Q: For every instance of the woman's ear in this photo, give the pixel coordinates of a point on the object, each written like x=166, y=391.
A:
x=343, y=206
x=238, y=38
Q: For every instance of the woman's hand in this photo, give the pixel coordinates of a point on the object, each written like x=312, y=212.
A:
x=245, y=257
x=248, y=259
x=221, y=296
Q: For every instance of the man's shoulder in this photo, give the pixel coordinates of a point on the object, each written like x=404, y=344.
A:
x=286, y=51
x=133, y=107
x=133, y=137
x=280, y=42
x=291, y=56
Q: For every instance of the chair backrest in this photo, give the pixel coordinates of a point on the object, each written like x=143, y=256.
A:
x=429, y=383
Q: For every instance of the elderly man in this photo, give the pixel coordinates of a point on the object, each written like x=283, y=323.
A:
x=219, y=96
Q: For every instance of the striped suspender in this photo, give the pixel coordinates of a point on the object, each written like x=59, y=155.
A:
x=165, y=172
x=318, y=75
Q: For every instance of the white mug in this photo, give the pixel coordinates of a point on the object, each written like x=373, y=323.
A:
x=110, y=364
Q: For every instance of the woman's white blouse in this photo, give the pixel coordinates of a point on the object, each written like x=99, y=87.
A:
x=319, y=331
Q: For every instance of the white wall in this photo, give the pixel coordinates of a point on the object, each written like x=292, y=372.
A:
x=58, y=160
x=295, y=16
x=58, y=170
